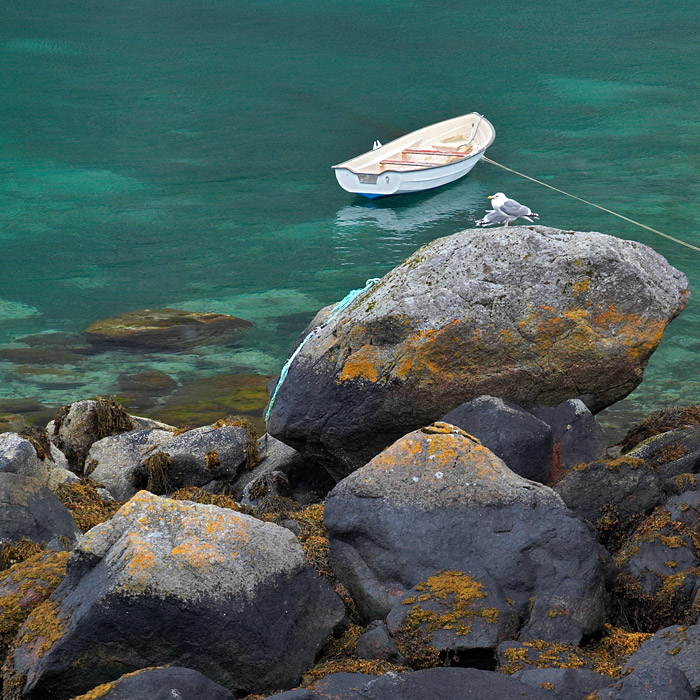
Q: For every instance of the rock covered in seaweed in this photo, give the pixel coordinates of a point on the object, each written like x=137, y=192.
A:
x=437, y=499
x=174, y=582
x=533, y=315
x=77, y=426
x=160, y=462
x=165, y=329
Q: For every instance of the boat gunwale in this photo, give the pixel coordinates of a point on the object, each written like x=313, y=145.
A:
x=388, y=169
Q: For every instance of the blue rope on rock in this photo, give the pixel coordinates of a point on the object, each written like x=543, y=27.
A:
x=342, y=304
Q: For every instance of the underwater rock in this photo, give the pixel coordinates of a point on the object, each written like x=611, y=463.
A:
x=30, y=511
x=532, y=315
x=161, y=683
x=77, y=426
x=437, y=499
x=166, y=329
x=205, y=400
x=521, y=440
x=176, y=582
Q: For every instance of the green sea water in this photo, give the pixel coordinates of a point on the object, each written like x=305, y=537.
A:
x=178, y=153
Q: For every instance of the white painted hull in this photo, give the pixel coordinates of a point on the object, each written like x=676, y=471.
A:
x=422, y=160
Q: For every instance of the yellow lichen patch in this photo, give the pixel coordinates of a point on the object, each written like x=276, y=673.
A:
x=611, y=653
x=671, y=453
x=197, y=553
x=581, y=286
x=349, y=665
x=42, y=629
x=541, y=654
x=457, y=594
x=142, y=559
x=212, y=460
x=362, y=364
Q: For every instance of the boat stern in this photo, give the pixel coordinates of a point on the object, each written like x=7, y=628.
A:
x=368, y=184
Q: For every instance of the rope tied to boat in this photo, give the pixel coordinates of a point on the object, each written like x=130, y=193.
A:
x=342, y=304
x=592, y=204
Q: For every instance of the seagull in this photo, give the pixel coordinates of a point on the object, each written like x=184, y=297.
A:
x=510, y=209
x=492, y=218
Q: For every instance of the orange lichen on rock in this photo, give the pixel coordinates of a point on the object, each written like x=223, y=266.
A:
x=362, y=364
x=197, y=553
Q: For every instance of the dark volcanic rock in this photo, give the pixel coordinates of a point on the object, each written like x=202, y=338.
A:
x=437, y=499
x=532, y=315
x=29, y=510
x=457, y=614
x=164, y=683
x=174, y=582
x=521, y=440
x=564, y=683
x=376, y=643
x=432, y=683
x=578, y=438
x=166, y=329
x=659, y=683
x=676, y=646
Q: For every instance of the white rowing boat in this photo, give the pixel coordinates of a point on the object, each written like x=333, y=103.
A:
x=427, y=158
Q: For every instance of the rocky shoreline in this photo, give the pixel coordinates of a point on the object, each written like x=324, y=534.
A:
x=433, y=511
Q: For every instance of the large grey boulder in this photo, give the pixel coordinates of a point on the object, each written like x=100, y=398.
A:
x=114, y=460
x=660, y=682
x=162, y=463
x=533, y=315
x=28, y=510
x=174, y=582
x=438, y=500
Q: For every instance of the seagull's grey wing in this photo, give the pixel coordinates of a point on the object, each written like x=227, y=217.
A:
x=513, y=208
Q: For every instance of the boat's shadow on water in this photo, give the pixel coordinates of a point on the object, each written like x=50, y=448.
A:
x=403, y=214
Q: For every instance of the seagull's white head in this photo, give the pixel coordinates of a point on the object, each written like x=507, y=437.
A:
x=499, y=197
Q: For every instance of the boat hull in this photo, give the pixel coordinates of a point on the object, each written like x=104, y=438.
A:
x=394, y=182
x=421, y=160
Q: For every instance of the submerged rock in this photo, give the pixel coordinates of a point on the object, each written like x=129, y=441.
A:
x=174, y=582
x=166, y=329
x=437, y=499
x=532, y=315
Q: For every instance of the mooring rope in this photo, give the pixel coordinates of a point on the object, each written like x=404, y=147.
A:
x=343, y=303
x=597, y=206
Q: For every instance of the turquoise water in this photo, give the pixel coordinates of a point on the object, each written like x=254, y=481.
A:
x=178, y=153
